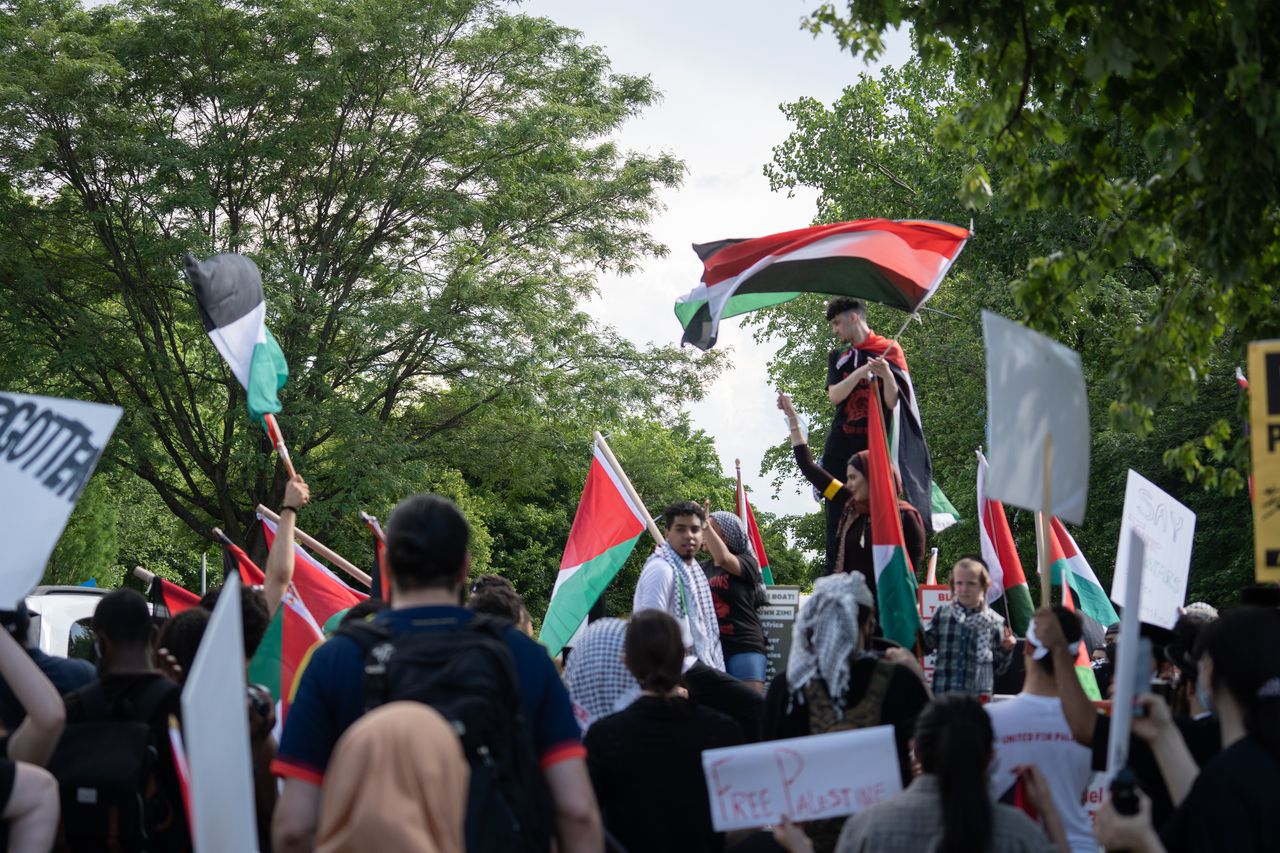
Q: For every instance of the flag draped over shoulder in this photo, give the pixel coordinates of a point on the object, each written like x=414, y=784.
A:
x=171, y=597
x=229, y=291
x=896, y=263
x=1001, y=556
x=605, y=530
x=896, y=587
x=748, y=519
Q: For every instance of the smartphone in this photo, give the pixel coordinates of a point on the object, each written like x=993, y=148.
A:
x=1142, y=675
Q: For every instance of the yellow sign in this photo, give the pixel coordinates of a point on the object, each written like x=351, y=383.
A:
x=1264, y=421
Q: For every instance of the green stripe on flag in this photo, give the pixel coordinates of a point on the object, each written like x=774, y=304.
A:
x=1093, y=601
x=1017, y=599
x=264, y=667
x=1089, y=682
x=897, y=599
x=741, y=304
x=571, y=602
x=944, y=514
x=267, y=374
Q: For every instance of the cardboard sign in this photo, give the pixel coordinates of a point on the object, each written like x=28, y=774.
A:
x=778, y=618
x=804, y=778
x=216, y=730
x=932, y=596
x=1035, y=388
x=1127, y=663
x=1264, y=446
x=1166, y=527
x=48, y=450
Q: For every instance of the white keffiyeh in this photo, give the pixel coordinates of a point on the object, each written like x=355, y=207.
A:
x=825, y=635
x=694, y=602
x=596, y=677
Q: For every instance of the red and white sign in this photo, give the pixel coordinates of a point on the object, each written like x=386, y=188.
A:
x=932, y=596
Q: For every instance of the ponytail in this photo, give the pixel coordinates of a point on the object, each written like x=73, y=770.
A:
x=953, y=741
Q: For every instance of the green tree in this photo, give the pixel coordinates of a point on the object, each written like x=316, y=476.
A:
x=429, y=190
x=1158, y=127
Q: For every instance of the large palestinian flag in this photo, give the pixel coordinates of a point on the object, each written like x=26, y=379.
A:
x=896, y=587
x=1001, y=556
x=605, y=530
x=896, y=263
x=320, y=590
x=229, y=291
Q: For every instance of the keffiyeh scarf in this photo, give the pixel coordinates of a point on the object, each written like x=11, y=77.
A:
x=825, y=635
x=596, y=677
x=693, y=600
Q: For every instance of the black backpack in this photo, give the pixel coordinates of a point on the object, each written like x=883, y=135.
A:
x=107, y=769
x=469, y=676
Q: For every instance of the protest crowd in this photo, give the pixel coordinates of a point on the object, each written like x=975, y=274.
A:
x=425, y=716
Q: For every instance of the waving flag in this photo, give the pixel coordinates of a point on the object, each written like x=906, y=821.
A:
x=229, y=291
x=748, y=519
x=170, y=597
x=319, y=590
x=605, y=530
x=895, y=577
x=1065, y=560
x=1001, y=556
x=896, y=263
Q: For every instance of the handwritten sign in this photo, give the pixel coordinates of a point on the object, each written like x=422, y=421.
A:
x=1035, y=388
x=1166, y=528
x=805, y=778
x=48, y=450
x=932, y=596
x=778, y=618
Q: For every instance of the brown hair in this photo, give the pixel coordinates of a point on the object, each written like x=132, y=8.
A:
x=973, y=562
x=654, y=650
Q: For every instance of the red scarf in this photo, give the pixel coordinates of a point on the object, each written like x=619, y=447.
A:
x=875, y=346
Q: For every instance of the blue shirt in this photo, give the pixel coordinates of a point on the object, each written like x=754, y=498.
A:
x=330, y=695
x=65, y=674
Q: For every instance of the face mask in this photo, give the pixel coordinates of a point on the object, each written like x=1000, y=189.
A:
x=1204, y=697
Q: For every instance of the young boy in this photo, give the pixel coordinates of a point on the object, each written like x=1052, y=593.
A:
x=972, y=640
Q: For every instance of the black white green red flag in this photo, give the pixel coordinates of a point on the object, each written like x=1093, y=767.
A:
x=605, y=530
x=896, y=585
x=748, y=519
x=1001, y=556
x=897, y=263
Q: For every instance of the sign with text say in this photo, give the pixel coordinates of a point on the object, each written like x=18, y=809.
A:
x=1167, y=528
x=1264, y=446
x=805, y=778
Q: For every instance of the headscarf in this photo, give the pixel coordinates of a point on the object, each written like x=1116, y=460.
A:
x=693, y=599
x=598, y=682
x=825, y=635
x=398, y=781
x=731, y=531
x=861, y=462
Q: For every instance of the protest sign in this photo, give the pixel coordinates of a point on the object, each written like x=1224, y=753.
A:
x=217, y=733
x=1166, y=528
x=804, y=778
x=932, y=596
x=1035, y=390
x=1127, y=663
x=1264, y=446
x=48, y=449
x=778, y=618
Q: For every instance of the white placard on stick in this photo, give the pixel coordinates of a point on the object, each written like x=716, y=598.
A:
x=216, y=732
x=48, y=450
x=1127, y=663
x=1167, y=528
x=1035, y=388
x=805, y=778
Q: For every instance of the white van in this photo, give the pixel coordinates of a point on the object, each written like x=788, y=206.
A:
x=62, y=620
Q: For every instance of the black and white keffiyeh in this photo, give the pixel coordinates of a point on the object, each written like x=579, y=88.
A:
x=596, y=677
x=825, y=635
x=693, y=600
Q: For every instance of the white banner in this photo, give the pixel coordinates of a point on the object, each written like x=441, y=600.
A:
x=805, y=778
x=1167, y=528
x=48, y=450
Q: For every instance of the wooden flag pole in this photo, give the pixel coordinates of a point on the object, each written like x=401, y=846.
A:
x=320, y=548
x=143, y=575
x=277, y=441
x=741, y=508
x=631, y=490
x=1044, y=533
x=374, y=527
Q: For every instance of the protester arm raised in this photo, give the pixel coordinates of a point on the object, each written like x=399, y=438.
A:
x=720, y=553
x=578, y=825
x=279, y=571
x=1177, y=765
x=293, y=828
x=35, y=738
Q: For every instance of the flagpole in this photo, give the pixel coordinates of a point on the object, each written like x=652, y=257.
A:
x=740, y=494
x=277, y=441
x=320, y=548
x=374, y=527
x=1043, y=532
x=631, y=490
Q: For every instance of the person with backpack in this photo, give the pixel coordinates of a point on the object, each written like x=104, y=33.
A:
x=496, y=686
x=119, y=784
x=832, y=682
x=737, y=589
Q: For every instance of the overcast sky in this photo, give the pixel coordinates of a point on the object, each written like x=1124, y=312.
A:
x=724, y=68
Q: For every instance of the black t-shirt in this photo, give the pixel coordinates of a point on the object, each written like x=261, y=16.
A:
x=646, y=767
x=1233, y=805
x=848, y=433
x=904, y=699
x=735, y=600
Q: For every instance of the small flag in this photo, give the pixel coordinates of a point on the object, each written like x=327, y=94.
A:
x=605, y=530
x=748, y=519
x=896, y=587
x=229, y=291
x=1065, y=560
x=169, y=599
x=1084, y=671
x=1001, y=557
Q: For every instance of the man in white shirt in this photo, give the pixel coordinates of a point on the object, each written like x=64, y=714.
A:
x=673, y=582
x=1031, y=728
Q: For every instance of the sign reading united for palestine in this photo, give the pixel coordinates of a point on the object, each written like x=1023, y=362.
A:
x=1264, y=420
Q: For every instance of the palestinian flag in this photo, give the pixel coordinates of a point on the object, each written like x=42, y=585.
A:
x=319, y=590
x=605, y=530
x=284, y=650
x=896, y=263
x=1001, y=556
x=748, y=519
x=234, y=559
x=896, y=588
x=169, y=599
x=1065, y=560
x=229, y=291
